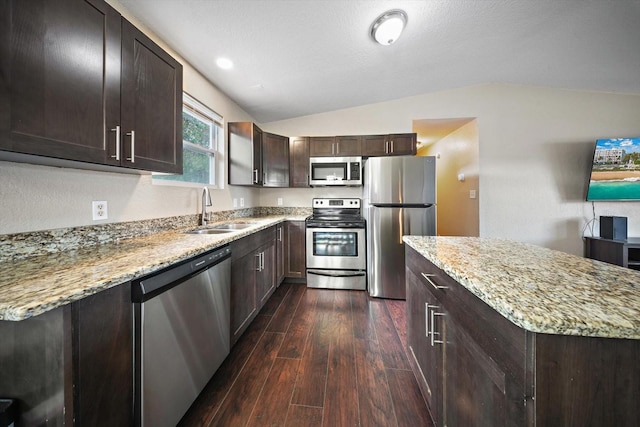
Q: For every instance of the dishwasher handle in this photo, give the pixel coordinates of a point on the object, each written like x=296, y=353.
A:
x=149, y=286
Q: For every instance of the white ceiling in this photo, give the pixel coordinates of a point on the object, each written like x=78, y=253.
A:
x=298, y=57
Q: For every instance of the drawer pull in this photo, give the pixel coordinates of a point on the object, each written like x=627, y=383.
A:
x=428, y=279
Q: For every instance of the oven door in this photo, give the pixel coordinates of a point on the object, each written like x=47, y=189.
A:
x=336, y=248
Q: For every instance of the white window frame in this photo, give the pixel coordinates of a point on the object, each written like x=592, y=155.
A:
x=195, y=108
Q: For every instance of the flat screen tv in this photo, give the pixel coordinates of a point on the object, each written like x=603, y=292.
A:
x=615, y=170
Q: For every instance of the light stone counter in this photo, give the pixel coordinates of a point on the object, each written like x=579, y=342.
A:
x=541, y=290
x=37, y=284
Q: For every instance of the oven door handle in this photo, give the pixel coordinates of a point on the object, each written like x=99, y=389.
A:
x=337, y=274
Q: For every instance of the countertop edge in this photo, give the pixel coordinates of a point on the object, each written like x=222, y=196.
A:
x=515, y=315
x=197, y=244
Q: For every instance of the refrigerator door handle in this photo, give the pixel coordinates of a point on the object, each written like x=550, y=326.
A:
x=400, y=225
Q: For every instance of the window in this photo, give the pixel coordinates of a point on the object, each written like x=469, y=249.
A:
x=202, y=149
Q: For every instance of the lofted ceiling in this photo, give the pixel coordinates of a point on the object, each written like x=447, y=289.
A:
x=298, y=57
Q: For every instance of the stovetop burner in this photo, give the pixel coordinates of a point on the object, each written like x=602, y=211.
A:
x=336, y=213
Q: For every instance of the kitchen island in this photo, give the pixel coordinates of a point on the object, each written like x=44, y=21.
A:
x=507, y=333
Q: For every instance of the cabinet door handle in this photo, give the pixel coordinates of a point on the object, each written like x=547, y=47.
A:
x=133, y=146
x=117, y=131
x=259, y=263
x=433, y=328
x=280, y=234
x=391, y=145
x=255, y=176
x=262, y=260
x=428, y=278
x=427, y=307
x=386, y=147
x=426, y=319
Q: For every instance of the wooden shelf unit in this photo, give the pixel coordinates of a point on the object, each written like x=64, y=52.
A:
x=625, y=253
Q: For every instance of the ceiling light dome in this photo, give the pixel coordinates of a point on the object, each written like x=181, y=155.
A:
x=388, y=27
x=224, y=63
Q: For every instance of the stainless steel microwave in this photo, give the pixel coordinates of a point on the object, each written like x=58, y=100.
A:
x=346, y=171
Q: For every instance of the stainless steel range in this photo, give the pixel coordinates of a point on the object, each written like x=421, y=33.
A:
x=336, y=245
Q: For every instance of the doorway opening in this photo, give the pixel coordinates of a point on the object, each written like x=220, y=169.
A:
x=455, y=144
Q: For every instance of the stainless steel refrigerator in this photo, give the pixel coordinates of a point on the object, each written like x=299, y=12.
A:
x=399, y=199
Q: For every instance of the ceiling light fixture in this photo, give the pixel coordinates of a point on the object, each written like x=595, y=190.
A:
x=224, y=63
x=388, y=27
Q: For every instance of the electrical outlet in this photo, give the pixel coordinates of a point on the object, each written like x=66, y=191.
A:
x=279, y=201
x=235, y=203
x=472, y=194
x=242, y=202
x=99, y=210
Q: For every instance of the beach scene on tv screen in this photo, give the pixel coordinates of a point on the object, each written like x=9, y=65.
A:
x=615, y=174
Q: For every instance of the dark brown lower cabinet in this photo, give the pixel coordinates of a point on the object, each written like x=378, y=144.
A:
x=102, y=358
x=476, y=368
x=72, y=365
x=266, y=272
x=425, y=358
x=295, y=259
x=253, y=278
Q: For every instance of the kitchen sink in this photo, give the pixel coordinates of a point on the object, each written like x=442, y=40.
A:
x=209, y=231
x=232, y=226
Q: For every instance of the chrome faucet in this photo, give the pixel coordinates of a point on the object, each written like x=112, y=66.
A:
x=206, y=201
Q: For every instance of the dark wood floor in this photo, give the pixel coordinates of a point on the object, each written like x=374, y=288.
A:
x=316, y=357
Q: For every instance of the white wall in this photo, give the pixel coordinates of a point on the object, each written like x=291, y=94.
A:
x=40, y=197
x=535, y=149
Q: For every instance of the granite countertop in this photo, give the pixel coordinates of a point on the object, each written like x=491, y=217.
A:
x=538, y=289
x=35, y=285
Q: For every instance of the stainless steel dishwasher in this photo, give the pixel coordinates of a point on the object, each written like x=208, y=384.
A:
x=181, y=337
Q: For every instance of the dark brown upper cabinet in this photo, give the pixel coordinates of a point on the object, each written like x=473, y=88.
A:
x=322, y=146
x=257, y=158
x=151, y=105
x=79, y=82
x=299, y=162
x=402, y=144
x=349, y=145
x=275, y=160
x=328, y=146
x=245, y=153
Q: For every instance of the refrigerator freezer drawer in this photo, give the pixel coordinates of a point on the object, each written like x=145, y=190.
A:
x=385, y=262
